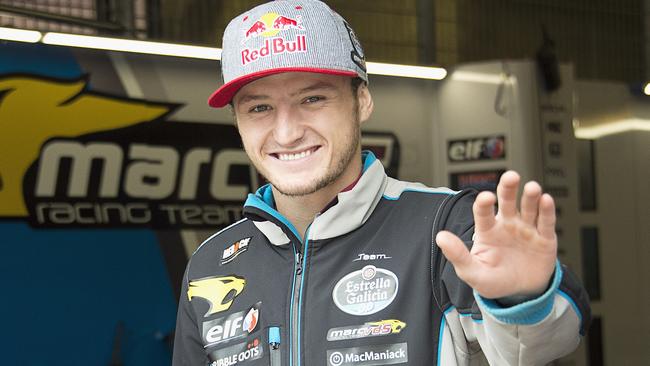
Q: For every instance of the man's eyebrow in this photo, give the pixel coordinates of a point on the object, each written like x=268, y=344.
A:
x=252, y=97
x=320, y=85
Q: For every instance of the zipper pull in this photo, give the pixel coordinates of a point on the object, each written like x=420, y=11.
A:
x=274, y=337
x=298, y=263
x=274, y=345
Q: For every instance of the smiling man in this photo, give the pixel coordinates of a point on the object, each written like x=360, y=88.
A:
x=337, y=264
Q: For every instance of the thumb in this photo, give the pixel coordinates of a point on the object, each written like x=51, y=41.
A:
x=454, y=249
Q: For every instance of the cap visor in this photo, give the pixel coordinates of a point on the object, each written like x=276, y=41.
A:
x=222, y=96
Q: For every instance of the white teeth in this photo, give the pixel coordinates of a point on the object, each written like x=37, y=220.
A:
x=289, y=157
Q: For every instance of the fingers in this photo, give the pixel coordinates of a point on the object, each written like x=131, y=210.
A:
x=530, y=202
x=546, y=219
x=454, y=250
x=483, y=209
x=507, y=194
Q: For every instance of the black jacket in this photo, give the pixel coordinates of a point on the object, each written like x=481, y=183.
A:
x=367, y=287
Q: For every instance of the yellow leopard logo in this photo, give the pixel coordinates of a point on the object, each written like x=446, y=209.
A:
x=219, y=292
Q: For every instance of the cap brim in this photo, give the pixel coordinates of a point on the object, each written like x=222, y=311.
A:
x=222, y=96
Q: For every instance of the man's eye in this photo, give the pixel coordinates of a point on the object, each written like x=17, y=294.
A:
x=260, y=108
x=313, y=99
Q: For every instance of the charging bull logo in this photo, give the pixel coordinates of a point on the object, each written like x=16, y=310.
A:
x=219, y=292
x=34, y=110
x=268, y=26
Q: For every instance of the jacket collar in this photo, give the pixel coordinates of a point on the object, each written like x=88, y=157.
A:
x=352, y=209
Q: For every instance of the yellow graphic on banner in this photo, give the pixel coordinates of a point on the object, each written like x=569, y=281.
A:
x=218, y=291
x=34, y=110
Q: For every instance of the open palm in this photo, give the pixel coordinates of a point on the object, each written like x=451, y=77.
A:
x=514, y=251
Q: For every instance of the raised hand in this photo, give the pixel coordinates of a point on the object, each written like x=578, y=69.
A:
x=514, y=251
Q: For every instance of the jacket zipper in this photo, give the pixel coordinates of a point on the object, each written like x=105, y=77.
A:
x=296, y=308
x=295, y=300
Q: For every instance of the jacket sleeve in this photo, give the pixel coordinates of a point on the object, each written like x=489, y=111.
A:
x=188, y=349
x=533, y=332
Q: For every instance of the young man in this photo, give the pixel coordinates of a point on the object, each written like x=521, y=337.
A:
x=337, y=264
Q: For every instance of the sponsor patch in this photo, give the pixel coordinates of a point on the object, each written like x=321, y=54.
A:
x=371, y=257
x=269, y=25
x=233, y=326
x=365, y=291
x=480, y=148
x=238, y=353
x=219, y=292
x=388, y=354
x=233, y=251
x=372, y=329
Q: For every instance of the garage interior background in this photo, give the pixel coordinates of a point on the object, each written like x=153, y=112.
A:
x=130, y=321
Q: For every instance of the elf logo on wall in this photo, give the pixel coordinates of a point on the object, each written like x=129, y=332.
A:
x=480, y=148
x=365, y=291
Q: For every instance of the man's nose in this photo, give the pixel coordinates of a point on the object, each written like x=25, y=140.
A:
x=288, y=128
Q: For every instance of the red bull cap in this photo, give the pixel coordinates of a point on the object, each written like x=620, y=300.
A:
x=285, y=36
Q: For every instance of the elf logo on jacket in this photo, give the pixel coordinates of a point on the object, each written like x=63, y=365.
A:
x=239, y=353
x=387, y=354
x=233, y=326
x=372, y=329
x=365, y=291
x=219, y=292
x=230, y=253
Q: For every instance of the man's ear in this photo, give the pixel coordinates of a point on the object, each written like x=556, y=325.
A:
x=365, y=102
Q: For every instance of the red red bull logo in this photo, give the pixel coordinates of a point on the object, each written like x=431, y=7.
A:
x=268, y=26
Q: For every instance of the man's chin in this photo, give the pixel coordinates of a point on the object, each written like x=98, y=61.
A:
x=295, y=191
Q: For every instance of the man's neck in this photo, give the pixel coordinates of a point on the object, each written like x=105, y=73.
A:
x=302, y=210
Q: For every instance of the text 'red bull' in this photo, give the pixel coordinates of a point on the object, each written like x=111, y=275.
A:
x=274, y=46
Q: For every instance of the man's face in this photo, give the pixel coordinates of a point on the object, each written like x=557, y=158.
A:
x=301, y=130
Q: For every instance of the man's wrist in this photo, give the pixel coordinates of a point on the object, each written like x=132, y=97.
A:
x=523, y=309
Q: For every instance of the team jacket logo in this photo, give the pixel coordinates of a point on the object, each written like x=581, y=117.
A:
x=233, y=326
x=388, y=354
x=230, y=253
x=365, y=291
x=269, y=25
x=219, y=292
x=372, y=329
x=238, y=353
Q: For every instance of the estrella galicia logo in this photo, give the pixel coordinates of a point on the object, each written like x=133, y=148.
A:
x=365, y=291
x=219, y=292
